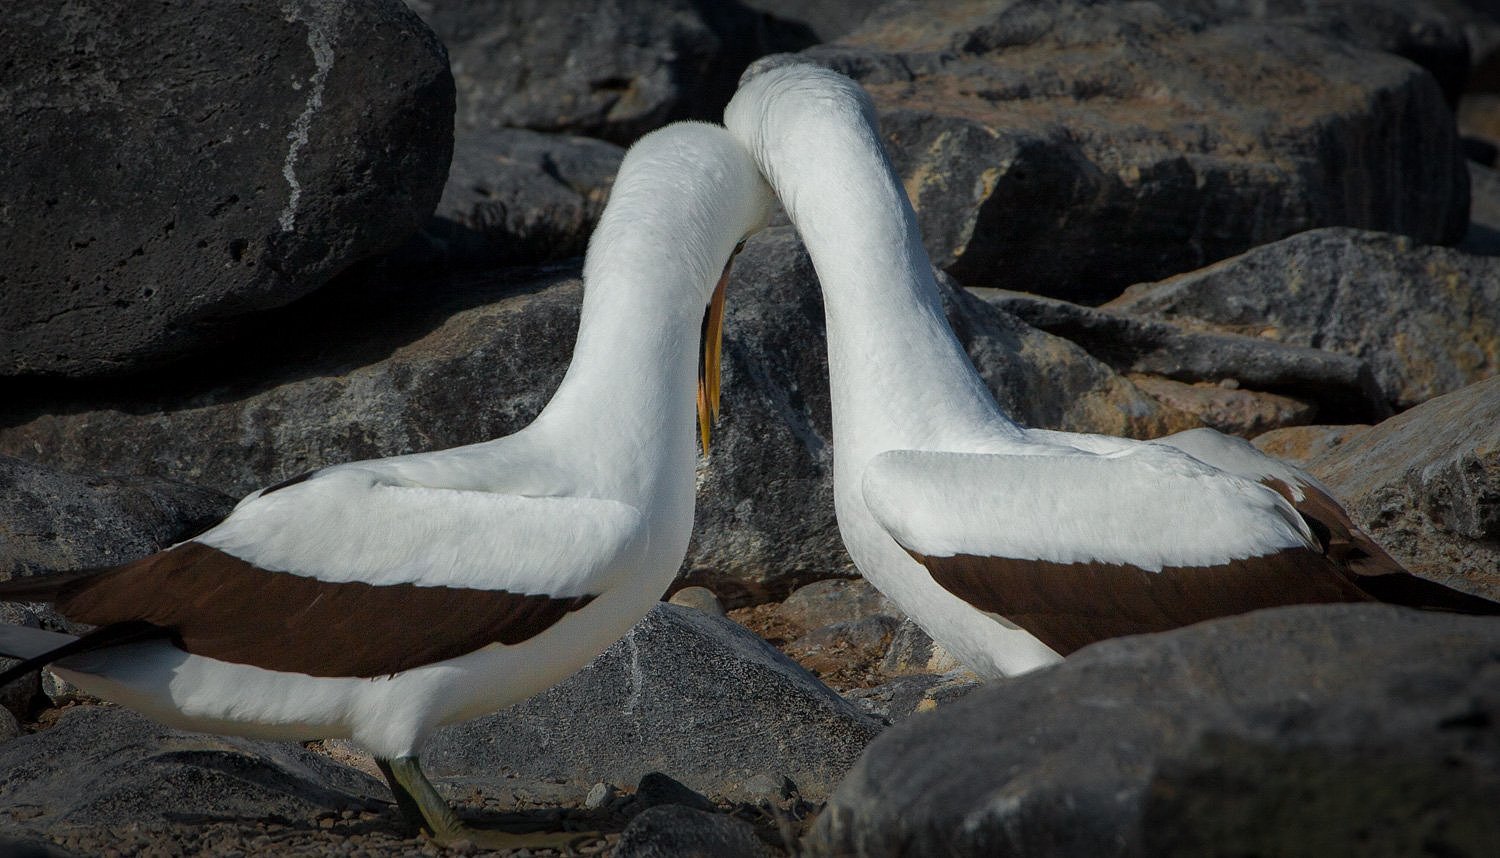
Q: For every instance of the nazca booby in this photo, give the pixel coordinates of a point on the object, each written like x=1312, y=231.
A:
x=379, y=600
x=1011, y=546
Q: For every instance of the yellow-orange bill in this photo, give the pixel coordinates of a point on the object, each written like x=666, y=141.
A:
x=708, y=362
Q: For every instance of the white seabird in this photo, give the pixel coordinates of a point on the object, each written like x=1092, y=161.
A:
x=380, y=600
x=1011, y=546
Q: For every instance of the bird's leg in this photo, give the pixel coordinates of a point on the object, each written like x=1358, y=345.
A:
x=421, y=805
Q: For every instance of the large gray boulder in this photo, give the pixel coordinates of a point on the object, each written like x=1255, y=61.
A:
x=613, y=69
x=691, y=695
x=1339, y=386
x=103, y=768
x=1350, y=730
x=1426, y=484
x=52, y=521
x=1425, y=319
x=171, y=168
x=1072, y=148
x=358, y=373
x=517, y=197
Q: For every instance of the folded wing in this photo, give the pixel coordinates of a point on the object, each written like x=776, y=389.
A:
x=1078, y=547
x=344, y=575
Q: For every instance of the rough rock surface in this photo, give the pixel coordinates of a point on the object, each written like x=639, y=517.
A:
x=167, y=172
x=1426, y=484
x=1340, y=385
x=360, y=372
x=614, y=69
x=104, y=767
x=1333, y=730
x=905, y=696
x=1301, y=444
x=674, y=831
x=836, y=600
x=691, y=695
x=369, y=369
x=1483, y=237
x=1426, y=319
x=913, y=651
x=1227, y=408
x=518, y=197
x=52, y=521
x=828, y=19
x=1072, y=148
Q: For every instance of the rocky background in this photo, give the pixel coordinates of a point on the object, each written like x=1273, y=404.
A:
x=238, y=244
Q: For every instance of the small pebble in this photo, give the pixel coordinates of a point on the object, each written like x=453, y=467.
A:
x=600, y=795
x=701, y=598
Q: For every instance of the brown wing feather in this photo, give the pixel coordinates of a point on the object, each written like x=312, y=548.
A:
x=1070, y=605
x=1343, y=541
x=222, y=607
x=1371, y=569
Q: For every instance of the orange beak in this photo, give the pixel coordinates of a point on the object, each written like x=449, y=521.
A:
x=708, y=361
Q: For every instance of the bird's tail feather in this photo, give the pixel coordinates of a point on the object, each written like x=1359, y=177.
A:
x=37, y=648
x=26, y=642
x=1404, y=588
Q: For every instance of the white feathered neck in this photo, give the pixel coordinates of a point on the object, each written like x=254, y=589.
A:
x=684, y=197
x=898, y=374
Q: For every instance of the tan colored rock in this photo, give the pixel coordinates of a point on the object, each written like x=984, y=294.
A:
x=700, y=598
x=1426, y=484
x=1301, y=444
x=1246, y=413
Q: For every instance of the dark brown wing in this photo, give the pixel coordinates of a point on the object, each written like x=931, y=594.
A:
x=219, y=606
x=1370, y=568
x=1070, y=605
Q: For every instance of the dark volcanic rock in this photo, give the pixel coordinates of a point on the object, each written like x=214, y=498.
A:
x=358, y=373
x=1426, y=484
x=1483, y=238
x=907, y=695
x=1340, y=385
x=836, y=600
x=171, y=168
x=914, y=652
x=1351, y=730
x=518, y=197
x=52, y=521
x=1426, y=319
x=674, y=831
x=614, y=69
x=1072, y=148
x=101, y=767
x=691, y=695
x=827, y=19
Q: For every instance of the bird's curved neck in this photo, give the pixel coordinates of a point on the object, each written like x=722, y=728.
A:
x=625, y=406
x=898, y=374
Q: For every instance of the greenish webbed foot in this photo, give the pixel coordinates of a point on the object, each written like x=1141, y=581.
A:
x=424, y=808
